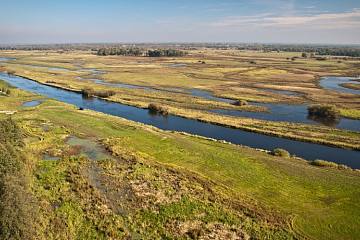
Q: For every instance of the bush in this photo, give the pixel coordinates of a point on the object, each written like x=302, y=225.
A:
x=323, y=163
x=323, y=111
x=104, y=94
x=89, y=92
x=240, y=103
x=158, y=109
x=280, y=153
x=10, y=72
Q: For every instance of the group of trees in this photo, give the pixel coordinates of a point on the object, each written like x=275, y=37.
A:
x=323, y=111
x=165, y=53
x=140, y=52
x=167, y=49
x=120, y=51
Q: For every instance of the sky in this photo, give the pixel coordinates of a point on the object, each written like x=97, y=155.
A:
x=251, y=21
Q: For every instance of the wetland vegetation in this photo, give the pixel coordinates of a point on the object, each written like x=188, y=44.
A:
x=165, y=172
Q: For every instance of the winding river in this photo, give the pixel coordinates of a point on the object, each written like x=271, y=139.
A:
x=306, y=150
x=276, y=111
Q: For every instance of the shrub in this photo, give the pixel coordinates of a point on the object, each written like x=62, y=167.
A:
x=89, y=92
x=158, y=109
x=10, y=72
x=104, y=94
x=323, y=111
x=323, y=163
x=280, y=153
x=240, y=103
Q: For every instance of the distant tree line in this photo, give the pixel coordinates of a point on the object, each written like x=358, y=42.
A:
x=167, y=49
x=331, y=50
x=120, y=51
x=140, y=52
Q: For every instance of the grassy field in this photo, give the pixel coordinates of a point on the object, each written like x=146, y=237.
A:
x=150, y=184
x=230, y=74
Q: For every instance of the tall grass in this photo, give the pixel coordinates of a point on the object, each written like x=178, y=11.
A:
x=323, y=163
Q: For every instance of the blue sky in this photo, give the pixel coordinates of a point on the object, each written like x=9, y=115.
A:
x=269, y=21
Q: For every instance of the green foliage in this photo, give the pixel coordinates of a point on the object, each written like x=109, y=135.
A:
x=120, y=51
x=10, y=133
x=281, y=153
x=323, y=111
x=165, y=53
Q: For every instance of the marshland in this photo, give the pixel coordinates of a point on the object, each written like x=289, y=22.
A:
x=110, y=131
x=179, y=120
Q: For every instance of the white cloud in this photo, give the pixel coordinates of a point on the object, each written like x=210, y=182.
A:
x=321, y=20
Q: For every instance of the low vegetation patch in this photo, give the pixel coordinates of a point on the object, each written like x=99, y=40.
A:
x=323, y=163
x=350, y=113
x=18, y=207
x=240, y=103
x=5, y=91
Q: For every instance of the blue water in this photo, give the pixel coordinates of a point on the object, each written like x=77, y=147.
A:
x=31, y=103
x=292, y=113
x=333, y=83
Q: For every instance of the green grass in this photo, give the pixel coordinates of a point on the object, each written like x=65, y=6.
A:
x=291, y=187
x=350, y=113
